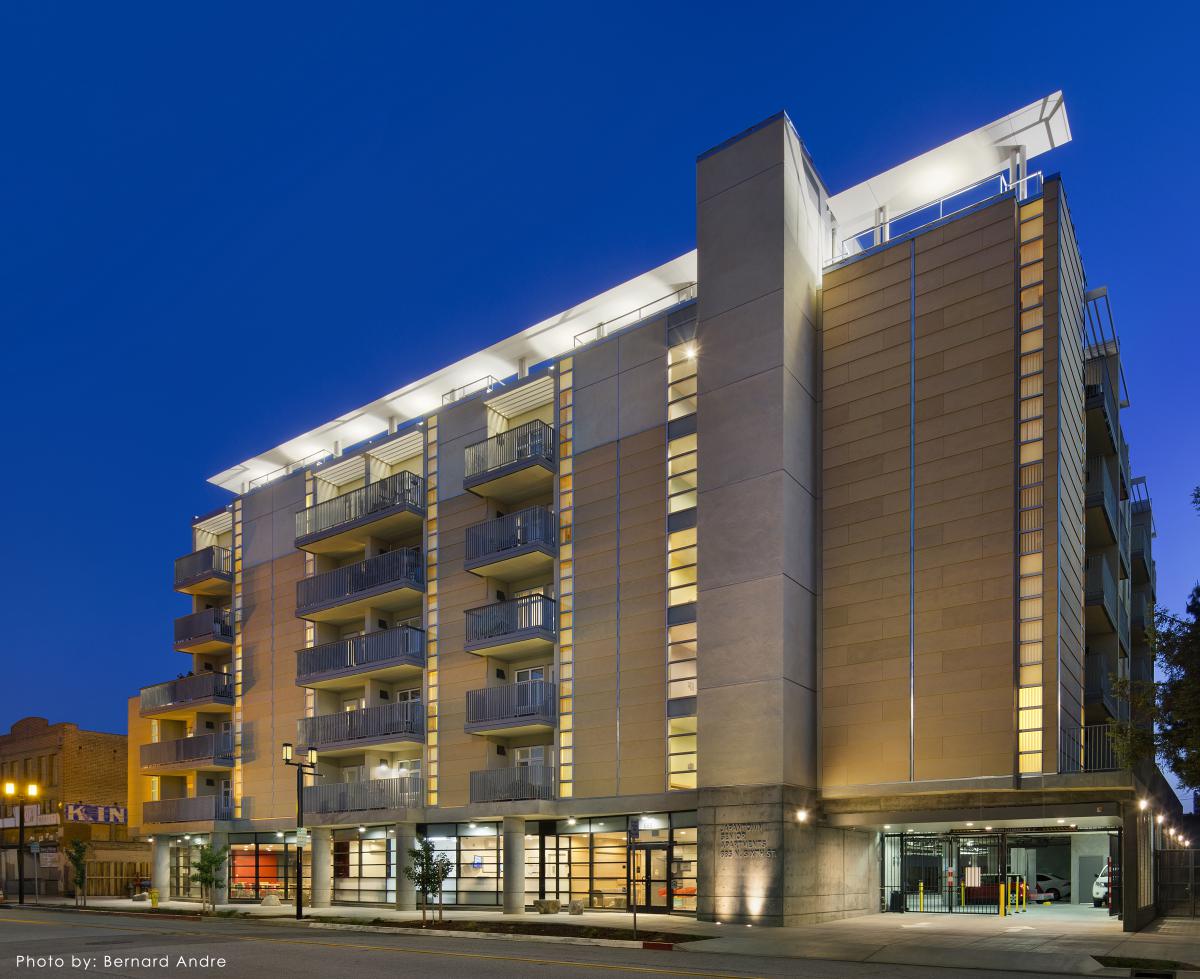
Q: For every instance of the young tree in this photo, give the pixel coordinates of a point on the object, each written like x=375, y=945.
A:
x=77, y=854
x=428, y=872
x=207, y=870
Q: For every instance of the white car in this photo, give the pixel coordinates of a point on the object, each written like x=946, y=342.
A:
x=1100, y=888
x=1054, y=888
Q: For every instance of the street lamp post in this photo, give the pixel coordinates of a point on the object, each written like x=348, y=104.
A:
x=308, y=765
x=32, y=791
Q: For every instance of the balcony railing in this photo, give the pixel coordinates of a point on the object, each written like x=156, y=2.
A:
x=188, y=689
x=511, y=533
x=517, y=784
x=207, y=624
x=1098, y=687
x=514, y=704
x=1099, y=393
x=404, y=720
x=400, y=567
x=404, y=490
x=1102, y=493
x=204, y=563
x=1087, y=749
x=510, y=619
x=1141, y=616
x=1100, y=588
x=533, y=441
x=376, y=793
x=214, y=748
x=403, y=645
x=185, y=810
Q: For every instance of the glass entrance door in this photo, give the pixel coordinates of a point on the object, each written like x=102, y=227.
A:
x=649, y=883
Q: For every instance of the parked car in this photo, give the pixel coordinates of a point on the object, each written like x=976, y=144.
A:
x=1100, y=887
x=1053, y=888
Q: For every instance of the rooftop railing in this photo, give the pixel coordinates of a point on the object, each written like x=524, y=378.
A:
x=527, y=702
x=187, y=689
x=216, y=623
x=405, y=719
x=376, y=793
x=512, y=532
x=401, y=645
x=185, y=810
x=401, y=566
x=602, y=330
x=516, y=784
x=529, y=442
x=402, y=490
x=206, y=562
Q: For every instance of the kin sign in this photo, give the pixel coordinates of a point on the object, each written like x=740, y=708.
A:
x=82, y=812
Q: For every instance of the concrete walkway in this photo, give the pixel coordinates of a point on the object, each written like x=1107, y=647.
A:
x=1057, y=939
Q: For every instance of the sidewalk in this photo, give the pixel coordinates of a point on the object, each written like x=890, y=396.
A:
x=1062, y=939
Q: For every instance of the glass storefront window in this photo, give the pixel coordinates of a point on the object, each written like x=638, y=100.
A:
x=265, y=863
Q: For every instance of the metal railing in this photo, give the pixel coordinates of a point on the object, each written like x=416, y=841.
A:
x=404, y=489
x=956, y=202
x=403, y=565
x=404, y=719
x=531, y=441
x=1098, y=684
x=403, y=644
x=609, y=327
x=512, y=532
x=1140, y=545
x=1101, y=492
x=375, y=793
x=513, y=784
x=201, y=747
x=1100, y=587
x=201, y=686
x=185, y=810
x=1087, y=749
x=1099, y=393
x=207, y=561
x=510, y=617
x=214, y=622
x=1141, y=616
x=481, y=385
x=527, y=702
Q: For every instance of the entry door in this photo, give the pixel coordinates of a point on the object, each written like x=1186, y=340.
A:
x=650, y=885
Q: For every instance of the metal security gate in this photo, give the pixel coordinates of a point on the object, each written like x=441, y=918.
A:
x=953, y=873
x=1178, y=873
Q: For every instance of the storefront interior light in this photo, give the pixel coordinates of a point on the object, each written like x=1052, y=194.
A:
x=362, y=829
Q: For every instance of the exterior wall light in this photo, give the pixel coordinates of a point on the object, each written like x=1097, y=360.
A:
x=802, y=815
x=1143, y=804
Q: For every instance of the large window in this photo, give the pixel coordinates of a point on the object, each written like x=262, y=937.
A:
x=364, y=866
x=265, y=863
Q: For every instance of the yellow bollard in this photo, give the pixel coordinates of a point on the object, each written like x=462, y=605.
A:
x=962, y=895
x=154, y=897
x=921, y=895
x=1003, y=901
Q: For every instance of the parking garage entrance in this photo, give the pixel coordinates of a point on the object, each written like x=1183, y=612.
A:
x=967, y=873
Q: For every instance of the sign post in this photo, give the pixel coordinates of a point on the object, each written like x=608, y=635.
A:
x=35, y=848
x=630, y=839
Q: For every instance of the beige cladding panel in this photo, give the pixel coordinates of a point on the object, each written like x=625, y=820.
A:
x=964, y=497
x=864, y=679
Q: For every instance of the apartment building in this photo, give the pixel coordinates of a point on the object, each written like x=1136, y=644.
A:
x=744, y=589
x=81, y=781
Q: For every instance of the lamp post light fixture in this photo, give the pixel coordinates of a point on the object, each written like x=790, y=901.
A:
x=308, y=765
x=19, y=797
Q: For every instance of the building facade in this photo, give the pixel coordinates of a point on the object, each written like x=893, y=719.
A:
x=694, y=596
x=70, y=766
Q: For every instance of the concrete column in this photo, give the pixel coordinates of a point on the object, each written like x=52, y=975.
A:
x=514, y=864
x=221, y=892
x=160, y=868
x=406, y=893
x=321, y=857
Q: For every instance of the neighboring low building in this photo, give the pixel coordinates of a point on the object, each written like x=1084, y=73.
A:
x=81, y=779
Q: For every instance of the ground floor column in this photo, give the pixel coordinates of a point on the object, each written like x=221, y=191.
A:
x=321, y=857
x=514, y=864
x=220, y=893
x=406, y=893
x=160, y=868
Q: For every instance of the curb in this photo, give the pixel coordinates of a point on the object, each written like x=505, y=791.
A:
x=167, y=916
x=552, y=939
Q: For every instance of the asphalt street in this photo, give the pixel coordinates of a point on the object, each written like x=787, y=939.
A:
x=51, y=944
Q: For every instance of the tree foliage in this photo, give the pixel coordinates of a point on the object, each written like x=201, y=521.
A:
x=428, y=872
x=77, y=854
x=207, y=870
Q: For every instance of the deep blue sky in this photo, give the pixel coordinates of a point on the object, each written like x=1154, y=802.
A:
x=225, y=224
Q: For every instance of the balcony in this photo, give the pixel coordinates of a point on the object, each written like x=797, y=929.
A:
x=515, y=546
x=527, y=782
x=1103, y=521
x=1123, y=536
x=197, y=809
x=376, y=793
x=1142, y=555
x=512, y=465
x=200, y=751
x=385, y=509
x=183, y=697
x=510, y=629
x=1087, y=749
x=513, y=709
x=386, y=726
x=1141, y=617
x=208, y=571
x=1100, y=402
x=1100, y=596
x=1098, y=689
x=205, y=631
x=387, y=655
x=389, y=582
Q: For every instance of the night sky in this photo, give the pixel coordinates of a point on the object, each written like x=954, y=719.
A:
x=226, y=224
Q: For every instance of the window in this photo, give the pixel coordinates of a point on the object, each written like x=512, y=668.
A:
x=681, y=473
x=681, y=753
x=681, y=381
x=681, y=567
x=529, y=674
x=681, y=660
x=534, y=754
